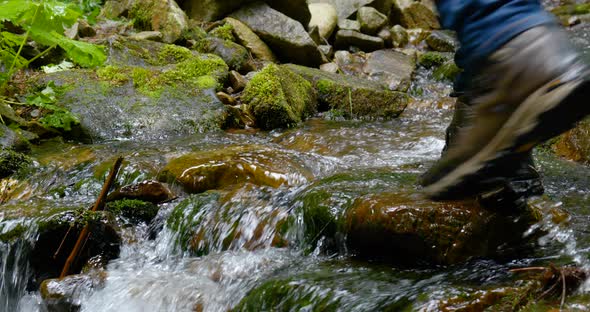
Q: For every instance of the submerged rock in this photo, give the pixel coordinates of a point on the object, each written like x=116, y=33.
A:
x=102, y=244
x=279, y=98
x=215, y=221
x=220, y=169
x=151, y=191
x=285, y=36
x=352, y=96
x=133, y=210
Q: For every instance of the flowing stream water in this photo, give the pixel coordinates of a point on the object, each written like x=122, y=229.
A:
x=153, y=274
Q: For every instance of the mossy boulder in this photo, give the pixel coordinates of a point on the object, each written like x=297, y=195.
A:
x=353, y=97
x=133, y=210
x=127, y=101
x=401, y=227
x=575, y=144
x=279, y=98
x=215, y=221
x=433, y=59
x=11, y=162
x=220, y=169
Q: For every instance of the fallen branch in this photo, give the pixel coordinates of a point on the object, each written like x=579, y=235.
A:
x=98, y=205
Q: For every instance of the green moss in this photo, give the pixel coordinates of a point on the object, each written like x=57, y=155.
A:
x=207, y=82
x=288, y=295
x=133, y=209
x=447, y=71
x=572, y=9
x=432, y=59
x=113, y=74
x=13, y=234
x=277, y=98
x=171, y=53
x=11, y=162
x=193, y=68
x=141, y=14
x=224, y=32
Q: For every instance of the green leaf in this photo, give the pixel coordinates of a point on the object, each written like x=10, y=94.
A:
x=14, y=10
x=83, y=53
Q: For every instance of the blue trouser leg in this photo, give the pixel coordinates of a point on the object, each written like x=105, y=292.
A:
x=483, y=26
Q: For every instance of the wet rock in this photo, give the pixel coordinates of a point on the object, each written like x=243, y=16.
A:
x=237, y=81
x=133, y=210
x=150, y=190
x=247, y=38
x=226, y=98
x=103, y=243
x=414, y=14
x=401, y=227
x=442, y=41
x=399, y=36
x=14, y=139
x=125, y=100
x=233, y=54
x=279, y=98
x=447, y=71
x=347, y=38
x=238, y=118
x=575, y=144
x=63, y=295
x=11, y=162
x=157, y=15
x=325, y=17
x=285, y=36
x=215, y=221
x=347, y=24
x=220, y=169
x=371, y=20
x=392, y=68
x=147, y=35
x=433, y=59
x=352, y=96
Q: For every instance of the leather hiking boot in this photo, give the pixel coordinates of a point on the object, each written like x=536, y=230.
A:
x=531, y=89
x=516, y=179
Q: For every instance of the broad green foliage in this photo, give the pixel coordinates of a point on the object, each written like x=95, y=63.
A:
x=43, y=21
x=55, y=117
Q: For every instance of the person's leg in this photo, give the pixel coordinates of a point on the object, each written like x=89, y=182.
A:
x=524, y=82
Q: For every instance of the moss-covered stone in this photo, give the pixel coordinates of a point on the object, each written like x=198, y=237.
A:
x=11, y=162
x=134, y=210
x=112, y=74
x=171, y=54
x=433, y=59
x=13, y=234
x=447, y=71
x=224, y=32
x=354, y=97
x=279, y=98
x=233, y=54
x=572, y=9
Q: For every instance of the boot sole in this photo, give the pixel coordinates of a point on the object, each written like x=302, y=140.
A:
x=525, y=128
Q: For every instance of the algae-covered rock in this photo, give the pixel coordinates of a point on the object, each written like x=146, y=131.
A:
x=133, y=210
x=285, y=36
x=215, y=221
x=352, y=96
x=433, y=59
x=575, y=144
x=128, y=101
x=442, y=41
x=414, y=14
x=11, y=162
x=402, y=227
x=279, y=98
x=220, y=169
